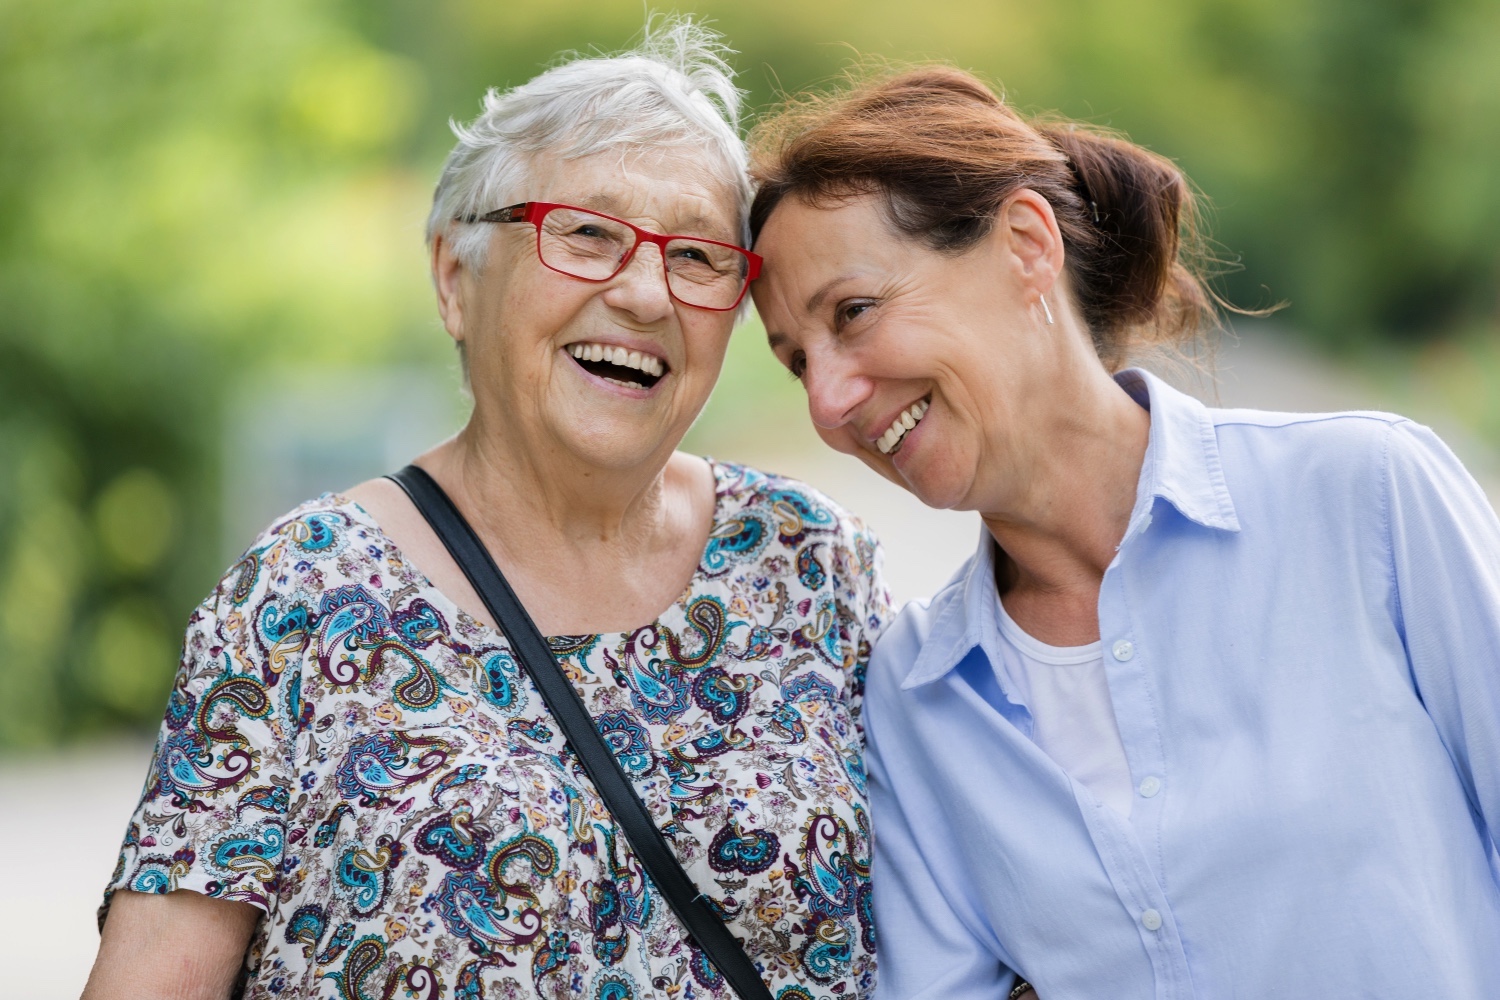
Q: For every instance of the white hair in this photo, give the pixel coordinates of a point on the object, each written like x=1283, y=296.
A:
x=673, y=89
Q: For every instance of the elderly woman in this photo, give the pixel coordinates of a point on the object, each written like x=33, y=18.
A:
x=357, y=792
x=1214, y=710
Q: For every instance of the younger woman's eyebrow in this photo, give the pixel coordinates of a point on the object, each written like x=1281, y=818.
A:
x=815, y=300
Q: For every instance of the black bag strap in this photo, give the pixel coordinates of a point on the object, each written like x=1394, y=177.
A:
x=599, y=763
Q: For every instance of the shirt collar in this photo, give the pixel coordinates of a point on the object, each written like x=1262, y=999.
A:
x=1182, y=463
x=1181, y=466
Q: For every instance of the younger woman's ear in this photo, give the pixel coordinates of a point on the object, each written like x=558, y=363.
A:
x=447, y=275
x=1027, y=229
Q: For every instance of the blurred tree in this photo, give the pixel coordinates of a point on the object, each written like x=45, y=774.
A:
x=190, y=196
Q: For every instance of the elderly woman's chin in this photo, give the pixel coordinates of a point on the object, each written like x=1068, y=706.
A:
x=618, y=429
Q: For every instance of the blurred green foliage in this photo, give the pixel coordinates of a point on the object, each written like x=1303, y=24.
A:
x=196, y=199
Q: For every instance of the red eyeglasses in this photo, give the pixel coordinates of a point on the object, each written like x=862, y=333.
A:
x=705, y=274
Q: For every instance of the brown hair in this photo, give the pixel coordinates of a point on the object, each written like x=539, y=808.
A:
x=946, y=152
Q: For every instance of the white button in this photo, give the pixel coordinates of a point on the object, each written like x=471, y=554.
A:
x=1150, y=785
x=1124, y=649
x=1151, y=920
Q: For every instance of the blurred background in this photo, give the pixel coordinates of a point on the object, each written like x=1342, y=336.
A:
x=214, y=302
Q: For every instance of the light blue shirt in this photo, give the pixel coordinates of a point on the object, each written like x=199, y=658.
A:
x=1301, y=633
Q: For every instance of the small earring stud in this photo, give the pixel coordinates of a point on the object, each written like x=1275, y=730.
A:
x=1046, y=309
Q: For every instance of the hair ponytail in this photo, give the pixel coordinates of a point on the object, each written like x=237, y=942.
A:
x=1132, y=278
x=945, y=151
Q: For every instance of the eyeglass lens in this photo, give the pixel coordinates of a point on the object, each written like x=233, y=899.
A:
x=591, y=246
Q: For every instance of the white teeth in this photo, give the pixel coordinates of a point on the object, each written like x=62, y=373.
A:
x=638, y=360
x=909, y=418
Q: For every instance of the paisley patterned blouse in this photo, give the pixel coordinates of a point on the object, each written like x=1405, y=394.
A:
x=349, y=752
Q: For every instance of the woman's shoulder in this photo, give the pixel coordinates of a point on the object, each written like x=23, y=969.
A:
x=794, y=531
x=321, y=544
x=793, y=502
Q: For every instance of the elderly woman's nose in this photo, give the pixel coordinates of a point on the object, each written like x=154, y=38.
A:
x=641, y=286
x=835, y=389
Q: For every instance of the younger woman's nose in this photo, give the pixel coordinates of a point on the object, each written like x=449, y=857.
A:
x=835, y=389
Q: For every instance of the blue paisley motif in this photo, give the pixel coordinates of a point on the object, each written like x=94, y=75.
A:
x=504, y=689
x=629, y=741
x=614, y=986
x=799, y=515
x=735, y=541
x=307, y=925
x=723, y=697
x=454, y=839
x=349, y=617
x=317, y=532
x=382, y=762
x=363, y=878
x=746, y=853
x=466, y=904
x=254, y=850
x=419, y=623
x=811, y=686
x=809, y=571
x=152, y=878
x=826, y=954
x=704, y=971
x=659, y=693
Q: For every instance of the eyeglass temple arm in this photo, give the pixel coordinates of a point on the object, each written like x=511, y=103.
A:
x=510, y=213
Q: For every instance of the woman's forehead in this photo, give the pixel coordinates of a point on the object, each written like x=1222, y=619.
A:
x=801, y=238
x=679, y=190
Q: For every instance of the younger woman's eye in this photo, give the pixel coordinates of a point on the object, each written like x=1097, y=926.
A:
x=851, y=310
x=796, y=365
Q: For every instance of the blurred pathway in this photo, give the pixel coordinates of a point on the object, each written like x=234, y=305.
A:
x=61, y=817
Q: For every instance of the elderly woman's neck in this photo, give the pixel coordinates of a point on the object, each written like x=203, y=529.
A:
x=518, y=494
x=586, y=550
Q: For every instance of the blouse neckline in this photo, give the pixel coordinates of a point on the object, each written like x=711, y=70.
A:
x=721, y=500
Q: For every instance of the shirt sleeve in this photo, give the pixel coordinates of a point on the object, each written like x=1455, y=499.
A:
x=212, y=815
x=925, y=950
x=868, y=612
x=1445, y=548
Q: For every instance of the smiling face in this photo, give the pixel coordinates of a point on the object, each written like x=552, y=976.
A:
x=610, y=374
x=938, y=371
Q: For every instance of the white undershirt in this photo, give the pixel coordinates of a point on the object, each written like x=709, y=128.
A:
x=1073, y=718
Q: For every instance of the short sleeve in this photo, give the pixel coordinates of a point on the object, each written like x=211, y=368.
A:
x=1445, y=554
x=212, y=814
x=868, y=608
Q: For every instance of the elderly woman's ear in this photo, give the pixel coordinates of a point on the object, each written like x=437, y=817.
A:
x=447, y=277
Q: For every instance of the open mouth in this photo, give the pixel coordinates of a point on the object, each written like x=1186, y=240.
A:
x=890, y=441
x=630, y=369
